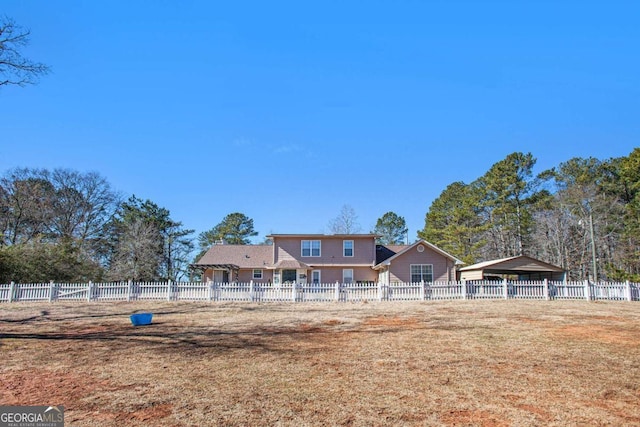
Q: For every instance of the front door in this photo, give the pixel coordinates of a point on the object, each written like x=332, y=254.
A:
x=289, y=276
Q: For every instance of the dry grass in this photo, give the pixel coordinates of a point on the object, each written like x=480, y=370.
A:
x=466, y=363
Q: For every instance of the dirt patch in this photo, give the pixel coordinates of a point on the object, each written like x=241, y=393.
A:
x=397, y=321
x=610, y=334
x=46, y=387
x=473, y=418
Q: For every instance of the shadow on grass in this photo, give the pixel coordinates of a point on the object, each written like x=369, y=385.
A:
x=45, y=315
x=167, y=337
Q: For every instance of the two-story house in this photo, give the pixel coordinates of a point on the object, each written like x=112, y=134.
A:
x=322, y=258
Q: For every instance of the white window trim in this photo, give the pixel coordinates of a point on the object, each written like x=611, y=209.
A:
x=344, y=270
x=421, y=273
x=253, y=274
x=344, y=248
x=310, y=248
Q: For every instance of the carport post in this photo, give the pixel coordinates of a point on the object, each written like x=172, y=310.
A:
x=52, y=289
x=546, y=289
x=587, y=290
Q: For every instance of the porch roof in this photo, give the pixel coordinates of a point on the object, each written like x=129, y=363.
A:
x=236, y=257
x=289, y=264
x=215, y=266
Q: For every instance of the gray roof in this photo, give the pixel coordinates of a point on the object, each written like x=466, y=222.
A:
x=389, y=252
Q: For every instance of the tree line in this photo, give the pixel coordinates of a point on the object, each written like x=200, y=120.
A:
x=583, y=215
x=71, y=226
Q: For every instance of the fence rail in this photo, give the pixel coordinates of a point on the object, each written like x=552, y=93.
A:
x=260, y=292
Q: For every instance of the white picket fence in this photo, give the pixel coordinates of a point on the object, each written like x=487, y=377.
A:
x=259, y=292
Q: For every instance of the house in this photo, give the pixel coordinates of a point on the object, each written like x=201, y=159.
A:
x=523, y=266
x=323, y=258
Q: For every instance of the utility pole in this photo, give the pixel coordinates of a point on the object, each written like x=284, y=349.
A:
x=593, y=248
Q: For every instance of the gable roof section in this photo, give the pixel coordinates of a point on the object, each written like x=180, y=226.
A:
x=398, y=250
x=237, y=256
x=327, y=236
x=511, y=264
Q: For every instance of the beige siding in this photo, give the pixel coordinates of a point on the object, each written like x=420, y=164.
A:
x=401, y=267
x=471, y=275
x=244, y=275
x=334, y=274
x=330, y=251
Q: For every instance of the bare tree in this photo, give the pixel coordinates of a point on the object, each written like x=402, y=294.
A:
x=138, y=253
x=15, y=69
x=346, y=222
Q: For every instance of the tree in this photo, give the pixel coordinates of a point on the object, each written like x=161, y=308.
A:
x=509, y=196
x=391, y=228
x=146, y=243
x=235, y=229
x=454, y=223
x=58, y=204
x=138, y=252
x=25, y=205
x=346, y=222
x=15, y=69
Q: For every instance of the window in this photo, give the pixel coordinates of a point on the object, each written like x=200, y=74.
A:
x=316, y=277
x=257, y=273
x=347, y=275
x=311, y=248
x=347, y=247
x=421, y=273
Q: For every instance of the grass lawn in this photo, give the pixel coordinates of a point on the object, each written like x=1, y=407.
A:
x=435, y=363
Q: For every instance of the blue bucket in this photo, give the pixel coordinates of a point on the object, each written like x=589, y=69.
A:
x=140, y=319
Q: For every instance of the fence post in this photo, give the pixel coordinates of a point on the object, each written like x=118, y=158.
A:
x=52, y=289
x=294, y=292
x=505, y=289
x=546, y=289
x=463, y=289
x=251, y=291
x=422, y=290
x=337, y=292
x=209, y=290
x=12, y=288
x=628, y=290
x=89, y=290
x=129, y=290
x=169, y=290
x=587, y=290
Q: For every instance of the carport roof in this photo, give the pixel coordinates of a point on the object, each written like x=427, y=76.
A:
x=521, y=263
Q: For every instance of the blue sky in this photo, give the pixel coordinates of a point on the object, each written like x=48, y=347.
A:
x=286, y=111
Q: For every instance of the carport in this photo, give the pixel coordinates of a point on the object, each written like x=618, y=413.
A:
x=524, y=267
